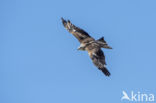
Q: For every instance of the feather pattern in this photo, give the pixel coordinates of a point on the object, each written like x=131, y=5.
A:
x=89, y=44
x=79, y=33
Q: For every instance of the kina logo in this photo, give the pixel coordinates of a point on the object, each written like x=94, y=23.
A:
x=138, y=96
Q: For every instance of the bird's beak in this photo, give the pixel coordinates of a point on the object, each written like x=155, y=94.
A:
x=79, y=48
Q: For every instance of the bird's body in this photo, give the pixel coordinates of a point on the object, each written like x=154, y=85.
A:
x=87, y=43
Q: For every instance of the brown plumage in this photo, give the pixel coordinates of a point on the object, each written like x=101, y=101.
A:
x=89, y=44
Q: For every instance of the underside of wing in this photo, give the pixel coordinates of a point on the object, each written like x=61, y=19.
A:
x=98, y=60
x=80, y=34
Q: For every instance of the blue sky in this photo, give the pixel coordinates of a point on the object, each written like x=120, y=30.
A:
x=39, y=59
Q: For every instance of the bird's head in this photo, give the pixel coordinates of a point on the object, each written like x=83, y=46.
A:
x=81, y=47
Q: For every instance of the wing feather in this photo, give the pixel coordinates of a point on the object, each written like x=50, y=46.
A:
x=79, y=33
x=98, y=60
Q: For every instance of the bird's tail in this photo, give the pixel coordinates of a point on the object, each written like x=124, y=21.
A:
x=102, y=39
x=103, y=43
x=105, y=71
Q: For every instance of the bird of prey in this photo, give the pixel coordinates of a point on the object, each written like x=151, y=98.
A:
x=87, y=43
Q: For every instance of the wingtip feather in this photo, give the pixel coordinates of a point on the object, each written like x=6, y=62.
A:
x=105, y=71
x=64, y=22
x=62, y=19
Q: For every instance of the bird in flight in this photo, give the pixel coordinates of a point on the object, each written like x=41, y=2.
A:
x=87, y=43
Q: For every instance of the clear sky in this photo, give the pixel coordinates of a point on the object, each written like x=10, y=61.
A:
x=39, y=61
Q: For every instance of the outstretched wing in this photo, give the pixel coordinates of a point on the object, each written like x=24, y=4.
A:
x=77, y=32
x=98, y=59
